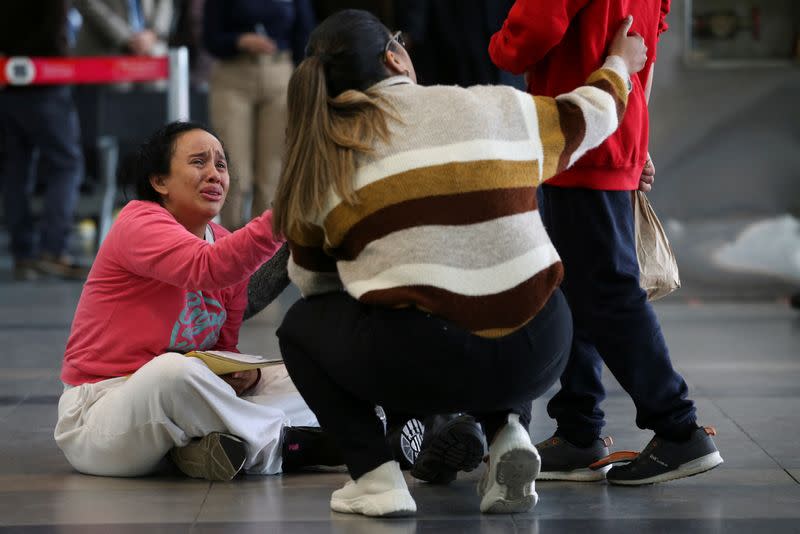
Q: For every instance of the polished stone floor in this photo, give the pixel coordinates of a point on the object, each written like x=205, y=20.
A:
x=742, y=360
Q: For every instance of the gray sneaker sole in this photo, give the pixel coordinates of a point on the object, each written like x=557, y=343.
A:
x=689, y=469
x=515, y=472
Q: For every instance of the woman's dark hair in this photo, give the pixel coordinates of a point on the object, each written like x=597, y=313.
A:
x=350, y=44
x=153, y=158
x=333, y=115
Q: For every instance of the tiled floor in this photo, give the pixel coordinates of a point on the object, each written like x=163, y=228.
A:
x=741, y=359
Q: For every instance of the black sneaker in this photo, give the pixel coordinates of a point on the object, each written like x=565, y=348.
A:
x=561, y=460
x=451, y=443
x=216, y=456
x=405, y=442
x=308, y=446
x=664, y=460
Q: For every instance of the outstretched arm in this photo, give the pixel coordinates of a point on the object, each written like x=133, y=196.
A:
x=174, y=256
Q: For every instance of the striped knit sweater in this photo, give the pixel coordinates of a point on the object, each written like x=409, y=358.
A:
x=447, y=218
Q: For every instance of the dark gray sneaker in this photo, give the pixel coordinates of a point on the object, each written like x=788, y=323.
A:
x=664, y=460
x=216, y=456
x=561, y=460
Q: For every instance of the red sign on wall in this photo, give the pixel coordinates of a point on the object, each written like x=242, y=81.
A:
x=65, y=71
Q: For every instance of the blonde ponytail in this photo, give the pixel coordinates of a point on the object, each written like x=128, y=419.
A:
x=323, y=139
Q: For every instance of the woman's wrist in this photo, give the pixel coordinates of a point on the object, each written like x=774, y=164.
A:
x=618, y=64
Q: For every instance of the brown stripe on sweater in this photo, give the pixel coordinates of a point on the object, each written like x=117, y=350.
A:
x=608, y=87
x=312, y=258
x=308, y=235
x=618, y=84
x=573, y=128
x=504, y=311
x=550, y=133
x=437, y=180
x=449, y=210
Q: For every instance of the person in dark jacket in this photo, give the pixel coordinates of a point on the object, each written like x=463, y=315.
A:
x=256, y=43
x=383, y=9
x=39, y=124
x=449, y=40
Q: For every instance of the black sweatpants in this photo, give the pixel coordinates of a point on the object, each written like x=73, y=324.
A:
x=346, y=357
x=593, y=232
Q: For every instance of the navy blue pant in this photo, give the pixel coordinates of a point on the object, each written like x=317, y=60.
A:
x=39, y=125
x=346, y=357
x=593, y=232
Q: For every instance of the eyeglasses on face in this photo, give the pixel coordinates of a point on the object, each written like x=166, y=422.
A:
x=396, y=37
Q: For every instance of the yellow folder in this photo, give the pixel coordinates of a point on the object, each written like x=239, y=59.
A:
x=222, y=362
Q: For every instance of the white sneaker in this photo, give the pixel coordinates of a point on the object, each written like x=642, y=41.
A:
x=507, y=485
x=380, y=493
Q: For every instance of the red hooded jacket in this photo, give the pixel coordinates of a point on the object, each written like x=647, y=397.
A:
x=559, y=43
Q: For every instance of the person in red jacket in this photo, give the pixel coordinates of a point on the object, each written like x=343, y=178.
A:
x=587, y=212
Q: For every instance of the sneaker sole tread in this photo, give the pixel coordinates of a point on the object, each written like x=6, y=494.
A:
x=515, y=472
x=454, y=450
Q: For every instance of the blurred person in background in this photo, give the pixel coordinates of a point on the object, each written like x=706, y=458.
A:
x=188, y=32
x=448, y=40
x=256, y=43
x=39, y=129
x=383, y=9
x=119, y=27
x=588, y=214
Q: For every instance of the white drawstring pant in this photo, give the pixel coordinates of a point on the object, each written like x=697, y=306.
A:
x=125, y=426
